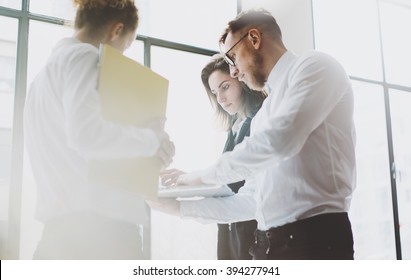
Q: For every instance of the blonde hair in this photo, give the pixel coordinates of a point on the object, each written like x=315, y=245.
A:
x=96, y=14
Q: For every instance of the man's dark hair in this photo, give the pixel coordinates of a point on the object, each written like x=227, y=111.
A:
x=255, y=18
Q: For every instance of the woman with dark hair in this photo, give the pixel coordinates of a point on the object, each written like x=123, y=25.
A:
x=65, y=129
x=235, y=105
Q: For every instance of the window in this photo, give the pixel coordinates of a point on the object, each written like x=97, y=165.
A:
x=136, y=51
x=366, y=37
x=348, y=30
x=199, y=23
x=371, y=208
x=63, y=9
x=400, y=102
x=396, y=44
x=192, y=127
x=196, y=23
x=11, y=4
x=8, y=51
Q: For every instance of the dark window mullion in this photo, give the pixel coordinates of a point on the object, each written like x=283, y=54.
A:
x=390, y=144
x=16, y=181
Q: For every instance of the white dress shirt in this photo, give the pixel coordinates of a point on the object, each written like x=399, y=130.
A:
x=64, y=129
x=299, y=160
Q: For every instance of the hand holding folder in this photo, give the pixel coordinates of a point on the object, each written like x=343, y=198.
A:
x=131, y=94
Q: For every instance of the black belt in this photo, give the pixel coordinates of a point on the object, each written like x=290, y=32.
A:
x=319, y=227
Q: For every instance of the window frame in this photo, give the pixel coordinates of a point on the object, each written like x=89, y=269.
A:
x=386, y=88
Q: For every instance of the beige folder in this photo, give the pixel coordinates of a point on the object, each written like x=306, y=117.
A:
x=131, y=94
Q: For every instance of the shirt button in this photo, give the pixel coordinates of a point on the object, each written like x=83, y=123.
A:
x=291, y=236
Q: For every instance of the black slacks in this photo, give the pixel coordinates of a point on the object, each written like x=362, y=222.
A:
x=322, y=237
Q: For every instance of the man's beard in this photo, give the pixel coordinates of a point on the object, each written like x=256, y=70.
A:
x=258, y=77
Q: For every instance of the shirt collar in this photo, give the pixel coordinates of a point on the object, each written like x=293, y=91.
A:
x=279, y=69
x=237, y=125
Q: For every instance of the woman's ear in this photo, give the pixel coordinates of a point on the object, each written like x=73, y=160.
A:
x=116, y=31
x=254, y=35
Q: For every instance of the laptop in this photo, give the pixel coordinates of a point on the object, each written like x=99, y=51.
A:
x=194, y=191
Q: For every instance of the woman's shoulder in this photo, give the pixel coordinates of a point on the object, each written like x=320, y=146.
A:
x=72, y=49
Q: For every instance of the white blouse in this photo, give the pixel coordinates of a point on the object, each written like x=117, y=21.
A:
x=64, y=129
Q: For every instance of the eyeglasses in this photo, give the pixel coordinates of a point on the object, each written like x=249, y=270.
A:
x=230, y=61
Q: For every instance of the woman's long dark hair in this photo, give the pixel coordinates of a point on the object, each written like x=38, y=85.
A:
x=251, y=99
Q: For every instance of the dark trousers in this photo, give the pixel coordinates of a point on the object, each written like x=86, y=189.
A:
x=235, y=239
x=322, y=237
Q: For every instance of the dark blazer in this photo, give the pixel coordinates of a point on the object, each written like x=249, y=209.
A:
x=234, y=240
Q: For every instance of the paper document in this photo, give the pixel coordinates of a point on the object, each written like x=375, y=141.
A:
x=194, y=191
x=131, y=94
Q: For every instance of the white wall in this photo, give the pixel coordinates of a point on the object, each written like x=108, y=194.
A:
x=294, y=18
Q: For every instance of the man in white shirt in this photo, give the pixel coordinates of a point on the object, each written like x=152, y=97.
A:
x=299, y=161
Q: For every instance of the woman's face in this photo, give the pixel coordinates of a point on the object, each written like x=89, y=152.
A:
x=227, y=91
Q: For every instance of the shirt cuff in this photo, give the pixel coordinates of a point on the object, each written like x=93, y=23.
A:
x=208, y=175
